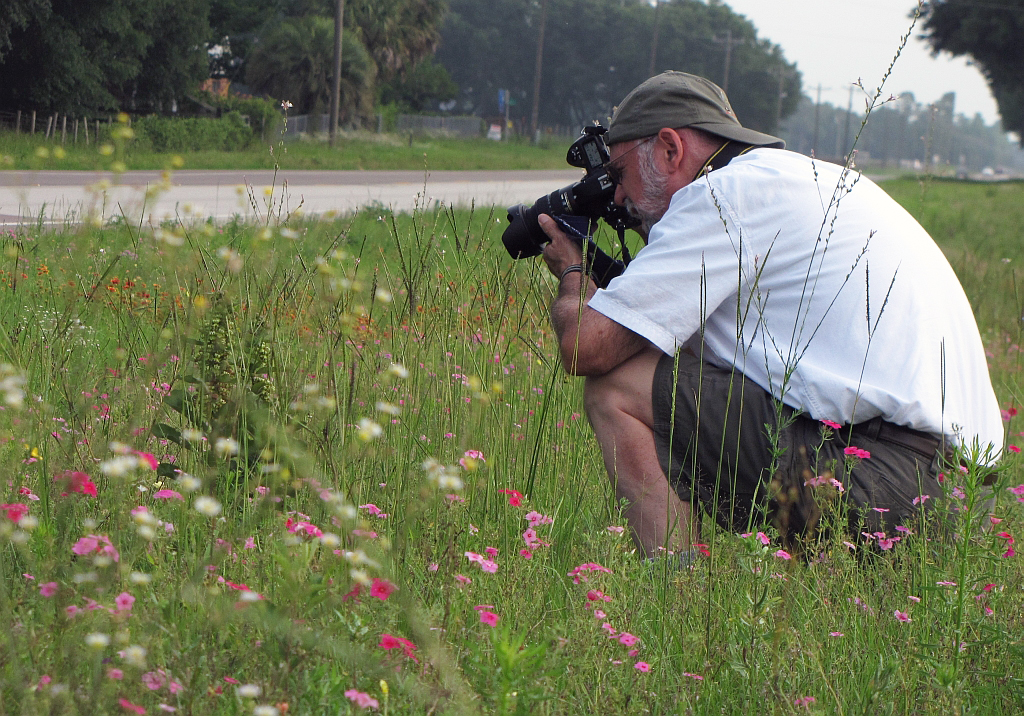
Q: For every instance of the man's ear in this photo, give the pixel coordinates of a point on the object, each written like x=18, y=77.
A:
x=674, y=149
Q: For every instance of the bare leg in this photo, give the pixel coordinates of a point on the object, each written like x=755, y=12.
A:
x=619, y=408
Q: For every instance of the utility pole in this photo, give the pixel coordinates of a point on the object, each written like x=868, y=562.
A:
x=654, y=40
x=817, y=112
x=846, y=126
x=535, y=114
x=729, y=44
x=339, y=26
x=783, y=73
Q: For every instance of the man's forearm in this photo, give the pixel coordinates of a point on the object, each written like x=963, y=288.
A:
x=567, y=307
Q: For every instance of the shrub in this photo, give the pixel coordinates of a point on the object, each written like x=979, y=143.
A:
x=169, y=134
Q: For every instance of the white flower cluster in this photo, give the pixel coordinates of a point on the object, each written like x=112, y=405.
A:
x=443, y=477
x=12, y=384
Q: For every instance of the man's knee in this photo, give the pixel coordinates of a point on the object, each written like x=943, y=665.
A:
x=625, y=391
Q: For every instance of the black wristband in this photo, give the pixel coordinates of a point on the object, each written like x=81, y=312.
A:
x=570, y=269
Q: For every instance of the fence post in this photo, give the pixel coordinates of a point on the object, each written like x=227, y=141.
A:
x=86, y=131
x=17, y=123
x=49, y=122
x=76, y=130
x=33, y=121
x=64, y=130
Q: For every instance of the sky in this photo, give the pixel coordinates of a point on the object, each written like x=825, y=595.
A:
x=835, y=42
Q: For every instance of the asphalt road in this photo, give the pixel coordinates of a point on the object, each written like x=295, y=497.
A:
x=57, y=197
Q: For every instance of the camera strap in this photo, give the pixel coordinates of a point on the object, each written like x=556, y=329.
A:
x=724, y=154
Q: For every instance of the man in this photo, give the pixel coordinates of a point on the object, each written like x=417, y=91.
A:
x=776, y=295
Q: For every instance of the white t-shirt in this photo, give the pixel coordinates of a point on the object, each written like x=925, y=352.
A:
x=777, y=257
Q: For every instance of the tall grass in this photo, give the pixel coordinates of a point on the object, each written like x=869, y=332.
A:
x=294, y=375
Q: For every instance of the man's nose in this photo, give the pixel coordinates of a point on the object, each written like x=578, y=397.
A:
x=620, y=195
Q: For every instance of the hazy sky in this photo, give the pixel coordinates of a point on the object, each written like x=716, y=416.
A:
x=833, y=42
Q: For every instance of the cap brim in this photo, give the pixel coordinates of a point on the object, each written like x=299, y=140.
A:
x=741, y=134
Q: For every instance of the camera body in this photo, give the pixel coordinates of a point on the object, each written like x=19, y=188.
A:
x=592, y=197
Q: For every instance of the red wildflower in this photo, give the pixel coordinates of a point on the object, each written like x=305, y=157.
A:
x=515, y=497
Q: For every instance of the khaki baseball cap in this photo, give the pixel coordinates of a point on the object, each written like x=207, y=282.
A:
x=676, y=100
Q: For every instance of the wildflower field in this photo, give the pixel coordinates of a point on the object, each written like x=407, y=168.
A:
x=333, y=467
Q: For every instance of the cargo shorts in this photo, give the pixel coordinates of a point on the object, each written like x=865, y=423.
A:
x=727, y=445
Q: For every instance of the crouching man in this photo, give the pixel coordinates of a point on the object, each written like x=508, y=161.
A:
x=775, y=295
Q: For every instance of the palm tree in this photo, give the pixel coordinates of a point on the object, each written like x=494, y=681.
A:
x=293, y=61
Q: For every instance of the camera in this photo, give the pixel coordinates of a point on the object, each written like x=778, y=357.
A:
x=576, y=208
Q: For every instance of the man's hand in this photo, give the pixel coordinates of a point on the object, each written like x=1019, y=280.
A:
x=561, y=252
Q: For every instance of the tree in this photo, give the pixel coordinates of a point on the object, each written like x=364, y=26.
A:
x=595, y=51
x=422, y=88
x=992, y=33
x=90, y=55
x=293, y=61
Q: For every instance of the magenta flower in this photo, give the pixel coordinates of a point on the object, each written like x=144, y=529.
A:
x=381, y=588
x=489, y=618
x=124, y=602
x=1013, y=448
x=492, y=552
x=168, y=495
x=389, y=642
x=831, y=424
x=857, y=452
x=1018, y=491
x=836, y=634
x=129, y=706
x=526, y=554
x=901, y=616
x=463, y=579
x=361, y=699
x=48, y=590
x=642, y=666
x=154, y=680
x=695, y=677
x=783, y=554
x=115, y=674
x=763, y=538
x=615, y=529
x=920, y=499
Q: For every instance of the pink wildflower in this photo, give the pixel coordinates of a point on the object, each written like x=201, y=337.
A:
x=642, y=666
x=361, y=699
x=381, y=588
x=15, y=510
x=75, y=481
x=836, y=634
x=856, y=452
x=536, y=519
x=115, y=674
x=526, y=554
x=901, y=616
x=48, y=590
x=695, y=677
x=804, y=701
x=580, y=573
x=627, y=639
x=1013, y=448
x=129, y=706
x=489, y=618
x=374, y=510
x=783, y=554
x=831, y=424
x=615, y=529
x=491, y=551
x=168, y=495
x=920, y=499
x=463, y=579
